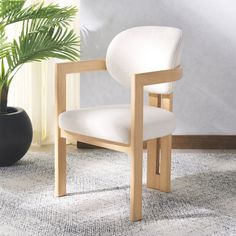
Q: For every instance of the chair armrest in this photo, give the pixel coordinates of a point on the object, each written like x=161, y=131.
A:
x=137, y=84
x=157, y=77
x=62, y=69
x=81, y=66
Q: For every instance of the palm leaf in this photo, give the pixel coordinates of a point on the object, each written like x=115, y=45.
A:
x=52, y=14
x=39, y=45
x=10, y=8
x=5, y=46
x=45, y=34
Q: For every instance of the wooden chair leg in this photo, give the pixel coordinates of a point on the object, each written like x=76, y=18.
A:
x=165, y=167
x=153, y=164
x=136, y=186
x=159, y=164
x=60, y=167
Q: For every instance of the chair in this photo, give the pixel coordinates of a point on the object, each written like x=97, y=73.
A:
x=146, y=59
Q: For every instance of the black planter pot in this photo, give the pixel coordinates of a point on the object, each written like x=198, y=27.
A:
x=15, y=135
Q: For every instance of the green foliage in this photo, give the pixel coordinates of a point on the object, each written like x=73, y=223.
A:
x=44, y=34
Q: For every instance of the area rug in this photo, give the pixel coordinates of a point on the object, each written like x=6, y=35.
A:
x=202, y=201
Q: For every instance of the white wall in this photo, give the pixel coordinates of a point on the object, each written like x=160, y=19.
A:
x=205, y=100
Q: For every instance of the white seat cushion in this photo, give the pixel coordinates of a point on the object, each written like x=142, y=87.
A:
x=113, y=122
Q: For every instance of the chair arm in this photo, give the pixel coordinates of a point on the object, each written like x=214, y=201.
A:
x=62, y=69
x=81, y=66
x=137, y=84
x=157, y=77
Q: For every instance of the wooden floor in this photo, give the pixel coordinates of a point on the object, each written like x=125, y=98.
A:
x=204, y=141
x=194, y=142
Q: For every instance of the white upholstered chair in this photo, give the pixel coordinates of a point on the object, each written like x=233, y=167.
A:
x=143, y=58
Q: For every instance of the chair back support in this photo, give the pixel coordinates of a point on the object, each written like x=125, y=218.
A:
x=144, y=49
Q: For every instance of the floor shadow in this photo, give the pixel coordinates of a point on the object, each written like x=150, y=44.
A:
x=99, y=190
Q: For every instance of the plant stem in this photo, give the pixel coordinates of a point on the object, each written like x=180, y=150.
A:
x=3, y=99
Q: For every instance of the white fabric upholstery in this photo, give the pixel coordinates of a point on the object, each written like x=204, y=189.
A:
x=144, y=49
x=113, y=122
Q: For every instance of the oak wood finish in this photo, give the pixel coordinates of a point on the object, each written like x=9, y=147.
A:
x=153, y=151
x=60, y=142
x=134, y=149
x=62, y=69
x=165, y=166
x=82, y=66
x=165, y=149
x=153, y=164
x=167, y=102
x=120, y=147
x=159, y=150
x=158, y=77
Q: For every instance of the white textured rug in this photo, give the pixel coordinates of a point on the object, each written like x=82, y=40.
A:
x=202, y=202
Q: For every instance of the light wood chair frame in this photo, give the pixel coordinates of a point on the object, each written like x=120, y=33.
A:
x=159, y=150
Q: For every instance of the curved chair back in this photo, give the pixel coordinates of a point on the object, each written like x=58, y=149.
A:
x=144, y=49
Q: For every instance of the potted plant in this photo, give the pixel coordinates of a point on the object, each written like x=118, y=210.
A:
x=44, y=34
